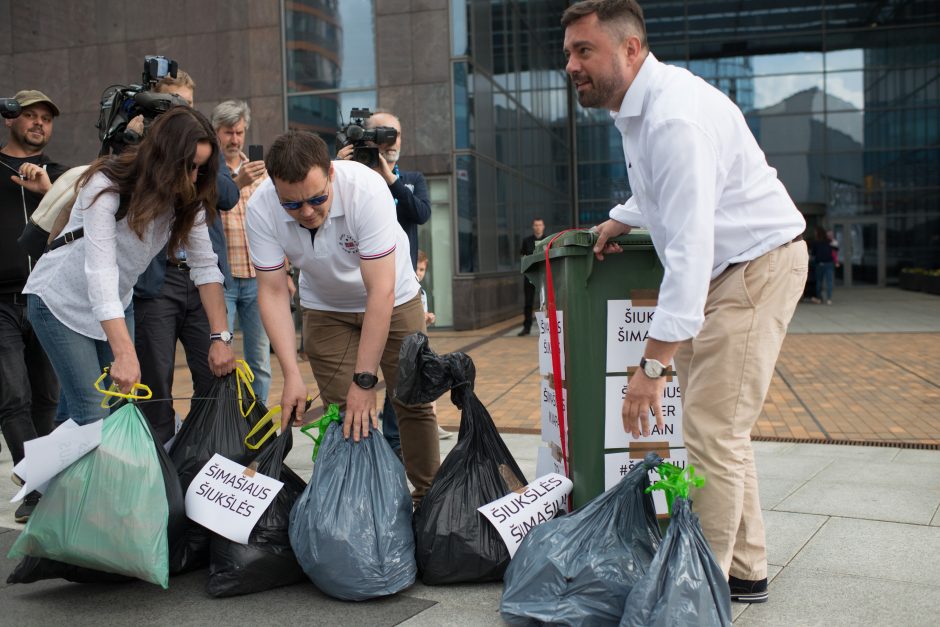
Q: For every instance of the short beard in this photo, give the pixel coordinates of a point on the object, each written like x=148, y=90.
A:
x=604, y=90
x=24, y=140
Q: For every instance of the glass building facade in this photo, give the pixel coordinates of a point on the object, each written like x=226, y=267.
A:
x=843, y=97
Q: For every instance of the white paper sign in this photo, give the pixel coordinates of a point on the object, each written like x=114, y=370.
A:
x=627, y=329
x=516, y=514
x=549, y=461
x=545, y=345
x=614, y=435
x=549, y=413
x=223, y=499
x=49, y=455
x=616, y=465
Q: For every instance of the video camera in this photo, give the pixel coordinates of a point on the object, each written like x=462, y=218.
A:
x=365, y=140
x=122, y=103
x=10, y=108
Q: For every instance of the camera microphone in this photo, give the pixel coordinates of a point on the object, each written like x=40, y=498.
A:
x=10, y=108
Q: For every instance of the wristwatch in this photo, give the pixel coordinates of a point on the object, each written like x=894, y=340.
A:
x=225, y=337
x=365, y=380
x=652, y=368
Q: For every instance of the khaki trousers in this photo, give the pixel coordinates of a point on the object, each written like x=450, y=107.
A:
x=331, y=341
x=725, y=373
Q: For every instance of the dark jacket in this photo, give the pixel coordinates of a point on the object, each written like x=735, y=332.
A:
x=413, y=205
x=528, y=245
x=16, y=204
x=150, y=281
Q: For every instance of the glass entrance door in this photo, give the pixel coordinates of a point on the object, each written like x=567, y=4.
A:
x=861, y=252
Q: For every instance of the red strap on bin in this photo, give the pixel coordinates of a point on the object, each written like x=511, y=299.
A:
x=556, y=352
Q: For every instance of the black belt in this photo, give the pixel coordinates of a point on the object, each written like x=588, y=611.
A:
x=14, y=298
x=798, y=238
x=178, y=263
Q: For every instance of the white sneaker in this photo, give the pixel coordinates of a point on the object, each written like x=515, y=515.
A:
x=444, y=434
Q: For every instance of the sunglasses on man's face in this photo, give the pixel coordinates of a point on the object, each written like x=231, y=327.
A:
x=315, y=201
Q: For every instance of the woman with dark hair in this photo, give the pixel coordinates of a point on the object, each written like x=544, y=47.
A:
x=129, y=207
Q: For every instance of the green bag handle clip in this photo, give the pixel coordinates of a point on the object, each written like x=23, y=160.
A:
x=331, y=415
x=675, y=481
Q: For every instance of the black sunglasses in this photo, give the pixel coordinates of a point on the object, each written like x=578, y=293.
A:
x=315, y=201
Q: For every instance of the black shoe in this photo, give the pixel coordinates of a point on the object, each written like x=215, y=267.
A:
x=523, y=332
x=25, y=510
x=744, y=591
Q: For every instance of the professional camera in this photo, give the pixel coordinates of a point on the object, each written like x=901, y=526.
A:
x=122, y=103
x=10, y=108
x=365, y=140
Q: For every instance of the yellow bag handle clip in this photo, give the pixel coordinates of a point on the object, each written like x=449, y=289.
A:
x=244, y=376
x=114, y=391
x=267, y=418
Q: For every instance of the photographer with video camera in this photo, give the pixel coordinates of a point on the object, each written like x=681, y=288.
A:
x=167, y=302
x=130, y=206
x=379, y=147
x=29, y=390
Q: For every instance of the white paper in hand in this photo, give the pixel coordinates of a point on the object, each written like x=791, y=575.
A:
x=49, y=455
x=517, y=513
x=223, y=499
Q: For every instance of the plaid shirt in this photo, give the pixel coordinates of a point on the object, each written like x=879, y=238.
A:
x=237, y=241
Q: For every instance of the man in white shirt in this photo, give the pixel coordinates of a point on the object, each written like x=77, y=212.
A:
x=335, y=222
x=728, y=236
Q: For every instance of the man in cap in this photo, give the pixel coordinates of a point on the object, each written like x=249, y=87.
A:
x=29, y=390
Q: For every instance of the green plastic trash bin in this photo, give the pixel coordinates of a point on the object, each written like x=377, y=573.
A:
x=598, y=302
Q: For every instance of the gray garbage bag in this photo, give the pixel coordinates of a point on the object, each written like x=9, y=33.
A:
x=684, y=585
x=351, y=528
x=579, y=569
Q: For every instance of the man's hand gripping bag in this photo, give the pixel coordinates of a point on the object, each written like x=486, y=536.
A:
x=351, y=527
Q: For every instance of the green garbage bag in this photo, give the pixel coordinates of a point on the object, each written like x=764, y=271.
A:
x=107, y=511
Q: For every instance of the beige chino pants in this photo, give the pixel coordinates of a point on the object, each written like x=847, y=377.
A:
x=725, y=373
x=331, y=342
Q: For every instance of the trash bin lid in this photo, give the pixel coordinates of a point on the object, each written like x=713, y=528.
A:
x=581, y=242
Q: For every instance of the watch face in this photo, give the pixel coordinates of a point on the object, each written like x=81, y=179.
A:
x=226, y=336
x=365, y=380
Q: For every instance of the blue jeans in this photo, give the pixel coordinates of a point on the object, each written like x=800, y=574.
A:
x=77, y=360
x=825, y=273
x=242, y=296
x=390, y=424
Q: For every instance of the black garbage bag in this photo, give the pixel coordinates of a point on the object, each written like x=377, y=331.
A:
x=267, y=561
x=453, y=541
x=423, y=375
x=684, y=585
x=579, y=569
x=215, y=424
x=351, y=527
x=32, y=569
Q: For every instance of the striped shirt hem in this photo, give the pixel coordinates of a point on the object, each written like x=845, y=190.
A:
x=378, y=255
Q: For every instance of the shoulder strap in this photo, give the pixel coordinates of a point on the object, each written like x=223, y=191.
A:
x=71, y=236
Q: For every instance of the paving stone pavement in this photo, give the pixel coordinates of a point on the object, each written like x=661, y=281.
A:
x=853, y=531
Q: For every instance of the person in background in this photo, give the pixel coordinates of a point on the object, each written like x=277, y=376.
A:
x=412, y=209
x=528, y=247
x=429, y=319
x=231, y=120
x=823, y=261
x=29, y=390
x=168, y=304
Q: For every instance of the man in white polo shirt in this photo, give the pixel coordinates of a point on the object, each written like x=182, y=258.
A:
x=335, y=222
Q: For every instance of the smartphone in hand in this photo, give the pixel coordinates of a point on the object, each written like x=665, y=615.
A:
x=255, y=152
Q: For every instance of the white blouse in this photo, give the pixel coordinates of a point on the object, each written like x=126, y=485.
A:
x=92, y=279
